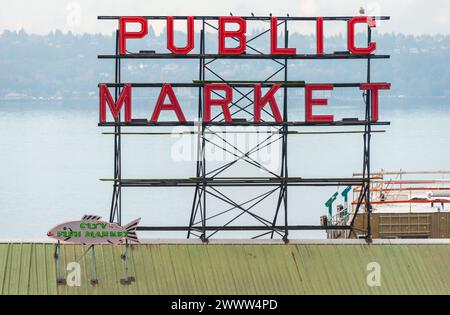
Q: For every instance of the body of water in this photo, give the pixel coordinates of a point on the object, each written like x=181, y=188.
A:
x=52, y=157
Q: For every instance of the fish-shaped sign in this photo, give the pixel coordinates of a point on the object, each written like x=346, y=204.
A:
x=90, y=230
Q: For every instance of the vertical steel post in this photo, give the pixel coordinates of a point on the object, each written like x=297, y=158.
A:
x=199, y=139
x=282, y=198
x=116, y=200
x=203, y=152
x=94, y=279
x=59, y=279
x=369, y=130
x=285, y=135
x=199, y=202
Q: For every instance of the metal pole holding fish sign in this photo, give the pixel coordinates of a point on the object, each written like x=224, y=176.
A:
x=127, y=279
x=59, y=278
x=214, y=90
x=94, y=279
x=90, y=230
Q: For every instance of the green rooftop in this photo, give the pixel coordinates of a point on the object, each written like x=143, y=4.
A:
x=29, y=268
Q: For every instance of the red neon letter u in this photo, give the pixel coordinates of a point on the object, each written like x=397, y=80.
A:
x=190, y=36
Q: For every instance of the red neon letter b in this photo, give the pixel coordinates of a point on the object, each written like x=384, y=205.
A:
x=239, y=35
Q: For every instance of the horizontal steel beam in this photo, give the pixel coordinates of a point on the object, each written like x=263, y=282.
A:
x=144, y=122
x=438, y=172
x=245, y=184
x=235, y=182
x=278, y=132
x=288, y=84
x=250, y=18
x=244, y=228
x=242, y=56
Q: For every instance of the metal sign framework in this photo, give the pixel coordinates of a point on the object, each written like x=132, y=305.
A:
x=207, y=182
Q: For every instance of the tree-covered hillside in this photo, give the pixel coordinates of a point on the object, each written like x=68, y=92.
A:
x=63, y=66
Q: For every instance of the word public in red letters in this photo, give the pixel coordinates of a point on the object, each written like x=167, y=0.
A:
x=239, y=35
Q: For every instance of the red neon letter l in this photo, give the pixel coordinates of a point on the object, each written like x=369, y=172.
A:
x=273, y=40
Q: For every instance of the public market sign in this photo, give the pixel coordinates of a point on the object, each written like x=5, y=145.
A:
x=168, y=101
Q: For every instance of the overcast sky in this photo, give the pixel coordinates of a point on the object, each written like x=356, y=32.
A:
x=43, y=16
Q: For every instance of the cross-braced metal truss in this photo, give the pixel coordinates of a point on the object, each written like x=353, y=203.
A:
x=201, y=214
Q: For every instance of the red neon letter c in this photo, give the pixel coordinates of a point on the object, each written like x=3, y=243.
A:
x=351, y=35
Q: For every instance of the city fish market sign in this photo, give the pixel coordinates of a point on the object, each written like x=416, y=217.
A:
x=232, y=27
x=91, y=231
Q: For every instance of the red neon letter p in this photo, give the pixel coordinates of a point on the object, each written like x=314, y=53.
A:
x=124, y=34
